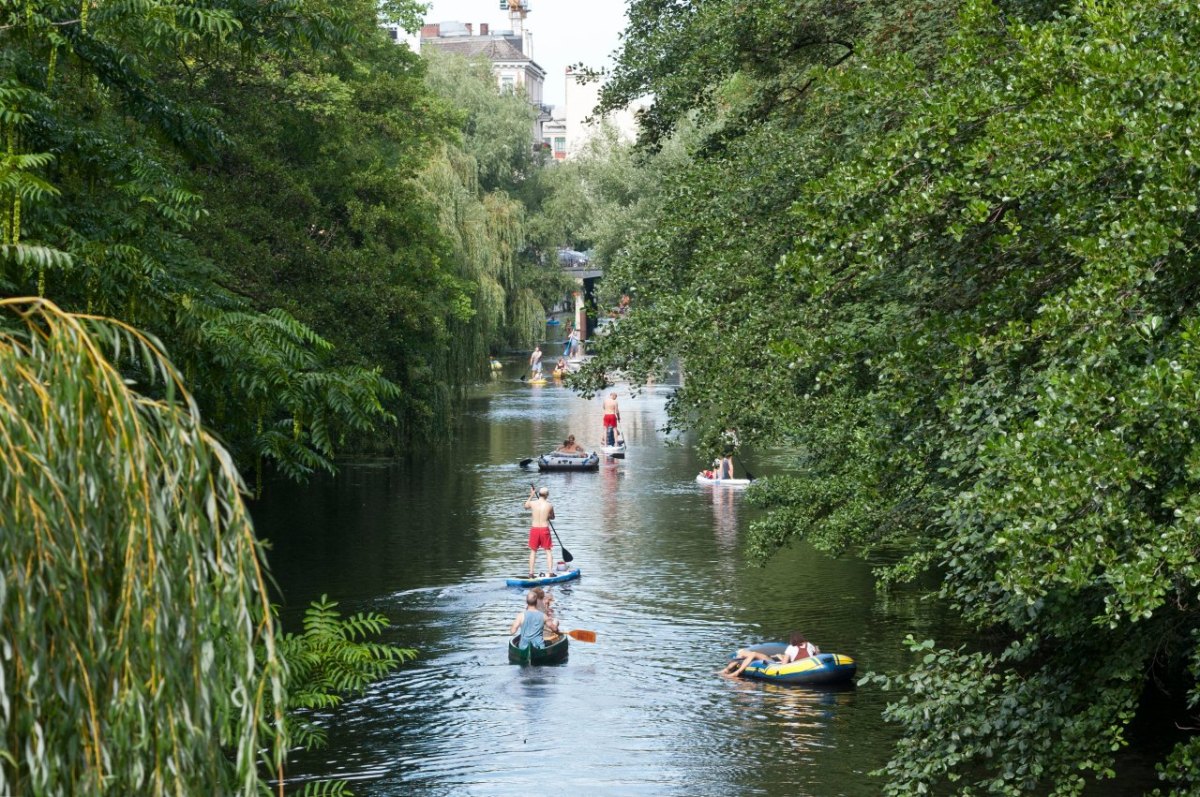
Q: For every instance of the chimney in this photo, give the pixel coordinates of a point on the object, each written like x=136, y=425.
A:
x=483, y=29
x=470, y=29
x=431, y=31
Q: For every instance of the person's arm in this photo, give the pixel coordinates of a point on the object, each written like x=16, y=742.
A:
x=517, y=623
x=529, y=500
x=551, y=515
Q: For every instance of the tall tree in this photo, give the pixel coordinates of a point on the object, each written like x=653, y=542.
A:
x=956, y=271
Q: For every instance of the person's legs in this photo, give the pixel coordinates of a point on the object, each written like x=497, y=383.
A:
x=549, y=562
x=532, y=561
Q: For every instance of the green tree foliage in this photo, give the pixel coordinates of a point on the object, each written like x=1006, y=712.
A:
x=956, y=269
x=139, y=654
x=332, y=659
x=103, y=127
x=484, y=182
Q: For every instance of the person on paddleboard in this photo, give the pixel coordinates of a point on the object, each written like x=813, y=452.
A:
x=531, y=622
x=539, y=528
x=535, y=361
x=612, y=416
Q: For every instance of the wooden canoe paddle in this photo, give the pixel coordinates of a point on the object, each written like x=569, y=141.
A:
x=581, y=635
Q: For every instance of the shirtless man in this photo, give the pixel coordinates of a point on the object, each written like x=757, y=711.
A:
x=612, y=416
x=539, y=527
x=535, y=361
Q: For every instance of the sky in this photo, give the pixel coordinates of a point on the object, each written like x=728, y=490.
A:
x=564, y=32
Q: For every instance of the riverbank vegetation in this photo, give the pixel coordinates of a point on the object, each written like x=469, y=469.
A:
x=327, y=236
x=274, y=219
x=949, y=252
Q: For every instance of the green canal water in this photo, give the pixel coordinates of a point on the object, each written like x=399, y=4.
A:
x=666, y=585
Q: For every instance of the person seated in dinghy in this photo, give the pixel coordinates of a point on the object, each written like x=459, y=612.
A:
x=798, y=648
x=571, y=449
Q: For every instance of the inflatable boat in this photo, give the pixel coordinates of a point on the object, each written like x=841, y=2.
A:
x=568, y=462
x=823, y=669
x=702, y=479
x=537, y=581
x=554, y=653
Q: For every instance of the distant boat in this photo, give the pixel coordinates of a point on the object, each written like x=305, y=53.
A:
x=552, y=322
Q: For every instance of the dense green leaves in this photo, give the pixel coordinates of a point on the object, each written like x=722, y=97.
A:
x=138, y=647
x=957, y=272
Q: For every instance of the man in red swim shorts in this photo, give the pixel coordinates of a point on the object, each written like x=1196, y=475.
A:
x=539, y=531
x=612, y=416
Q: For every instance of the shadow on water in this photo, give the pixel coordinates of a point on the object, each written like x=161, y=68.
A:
x=428, y=541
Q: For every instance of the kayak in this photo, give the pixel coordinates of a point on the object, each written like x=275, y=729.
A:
x=568, y=462
x=617, y=452
x=823, y=669
x=537, y=581
x=702, y=479
x=557, y=373
x=552, y=322
x=554, y=653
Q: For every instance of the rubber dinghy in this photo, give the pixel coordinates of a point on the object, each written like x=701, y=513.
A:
x=568, y=462
x=554, y=653
x=548, y=578
x=702, y=479
x=823, y=669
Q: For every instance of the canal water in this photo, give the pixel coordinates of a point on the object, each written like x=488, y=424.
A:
x=666, y=586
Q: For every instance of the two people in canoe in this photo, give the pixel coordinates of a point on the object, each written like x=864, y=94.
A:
x=798, y=648
x=539, y=528
x=534, y=621
x=612, y=417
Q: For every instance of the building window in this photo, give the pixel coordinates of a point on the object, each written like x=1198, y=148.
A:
x=507, y=85
x=560, y=146
x=393, y=34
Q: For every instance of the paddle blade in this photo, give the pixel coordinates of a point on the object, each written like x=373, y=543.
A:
x=582, y=636
x=525, y=462
x=566, y=555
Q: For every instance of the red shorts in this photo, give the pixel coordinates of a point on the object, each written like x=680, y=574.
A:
x=609, y=420
x=539, y=537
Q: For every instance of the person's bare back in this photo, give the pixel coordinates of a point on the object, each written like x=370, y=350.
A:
x=541, y=509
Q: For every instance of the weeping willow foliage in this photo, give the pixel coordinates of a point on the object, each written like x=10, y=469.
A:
x=138, y=652
x=485, y=233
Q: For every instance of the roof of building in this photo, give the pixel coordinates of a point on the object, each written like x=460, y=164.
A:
x=494, y=49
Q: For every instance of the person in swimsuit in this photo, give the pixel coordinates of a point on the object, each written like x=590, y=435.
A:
x=612, y=416
x=798, y=648
x=531, y=622
x=539, y=527
x=535, y=361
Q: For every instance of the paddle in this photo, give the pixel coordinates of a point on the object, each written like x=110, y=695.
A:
x=749, y=475
x=581, y=635
x=525, y=462
x=566, y=554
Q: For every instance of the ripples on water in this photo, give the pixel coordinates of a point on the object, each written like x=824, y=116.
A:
x=665, y=585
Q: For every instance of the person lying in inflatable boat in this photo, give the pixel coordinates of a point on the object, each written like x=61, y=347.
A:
x=798, y=648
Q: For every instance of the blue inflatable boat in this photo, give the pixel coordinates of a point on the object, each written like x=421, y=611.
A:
x=823, y=669
x=539, y=581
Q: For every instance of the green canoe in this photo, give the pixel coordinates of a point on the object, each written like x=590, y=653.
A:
x=553, y=653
